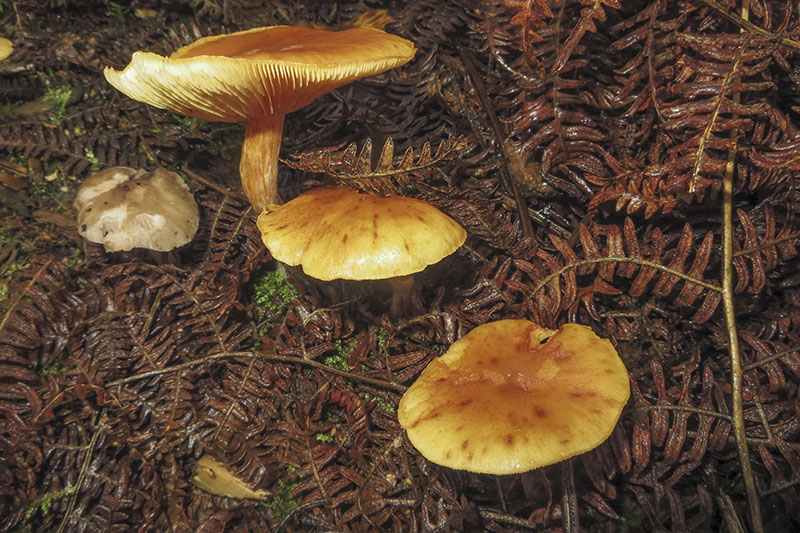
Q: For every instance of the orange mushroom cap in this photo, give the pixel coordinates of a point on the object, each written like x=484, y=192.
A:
x=511, y=396
x=257, y=76
x=338, y=233
x=5, y=48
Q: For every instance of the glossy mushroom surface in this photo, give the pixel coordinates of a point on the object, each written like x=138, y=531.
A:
x=338, y=233
x=511, y=396
x=257, y=77
x=5, y=48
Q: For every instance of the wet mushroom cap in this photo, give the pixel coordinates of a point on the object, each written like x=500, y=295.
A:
x=257, y=77
x=237, y=76
x=338, y=233
x=511, y=396
x=5, y=48
x=123, y=208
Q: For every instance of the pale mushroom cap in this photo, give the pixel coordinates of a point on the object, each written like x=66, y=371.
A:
x=338, y=233
x=511, y=396
x=125, y=209
x=278, y=69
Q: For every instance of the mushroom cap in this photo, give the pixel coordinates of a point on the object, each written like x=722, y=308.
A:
x=124, y=209
x=511, y=396
x=5, y=48
x=271, y=70
x=338, y=233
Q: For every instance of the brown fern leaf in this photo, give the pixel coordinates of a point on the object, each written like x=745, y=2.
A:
x=692, y=103
x=387, y=176
x=530, y=16
x=207, y=8
x=764, y=250
x=635, y=190
x=482, y=216
x=780, y=155
x=771, y=358
x=671, y=436
x=593, y=11
x=88, y=138
x=430, y=23
x=552, y=113
x=609, y=253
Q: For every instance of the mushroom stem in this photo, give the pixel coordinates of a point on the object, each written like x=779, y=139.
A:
x=259, y=164
x=402, y=287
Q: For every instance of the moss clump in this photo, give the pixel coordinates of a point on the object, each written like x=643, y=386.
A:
x=323, y=437
x=380, y=402
x=92, y=159
x=283, y=503
x=343, y=349
x=56, y=366
x=272, y=292
x=57, y=98
x=46, y=501
x=383, y=341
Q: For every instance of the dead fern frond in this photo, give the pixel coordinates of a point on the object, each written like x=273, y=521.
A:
x=207, y=8
x=763, y=249
x=592, y=11
x=387, y=176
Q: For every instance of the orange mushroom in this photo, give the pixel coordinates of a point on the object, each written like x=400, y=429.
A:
x=257, y=77
x=338, y=233
x=511, y=396
x=5, y=48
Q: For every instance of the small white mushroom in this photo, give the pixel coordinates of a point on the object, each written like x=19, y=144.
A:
x=124, y=209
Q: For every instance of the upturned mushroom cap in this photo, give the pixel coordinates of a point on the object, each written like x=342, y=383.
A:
x=257, y=76
x=338, y=233
x=124, y=209
x=511, y=396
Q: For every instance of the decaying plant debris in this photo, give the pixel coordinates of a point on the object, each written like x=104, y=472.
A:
x=632, y=166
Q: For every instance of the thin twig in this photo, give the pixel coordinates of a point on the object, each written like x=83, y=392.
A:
x=766, y=245
x=317, y=477
x=763, y=416
x=24, y=292
x=701, y=146
x=84, y=468
x=268, y=357
x=635, y=260
x=63, y=392
x=751, y=440
x=781, y=486
x=220, y=189
x=298, y=510
x=569, y=499
x=502, y=136
x=488, y=514
x=737, y=375
x=234, y=400
x=773, y=357
x=650, y=53
x=381, y=459
x=684, y=408
x=750, y=27
x=539, y=218
x=146, y=329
